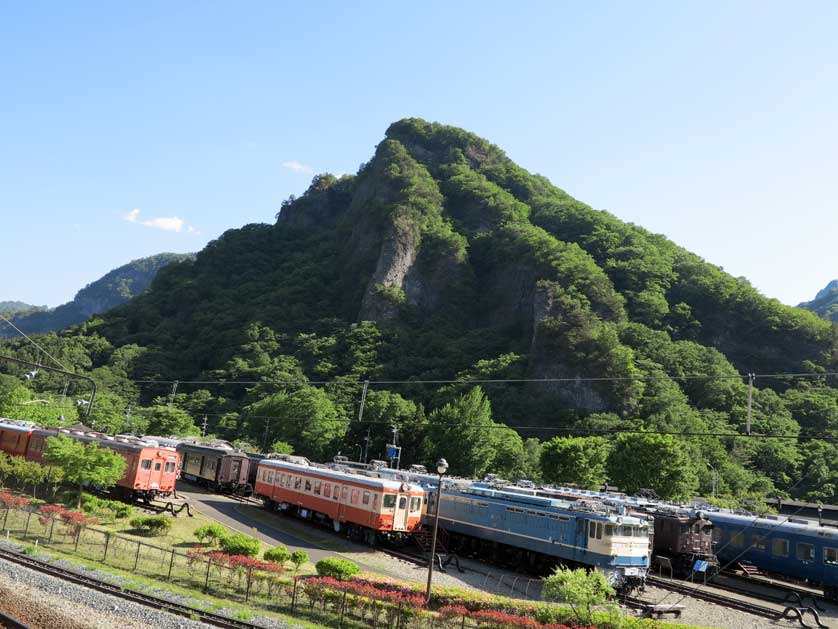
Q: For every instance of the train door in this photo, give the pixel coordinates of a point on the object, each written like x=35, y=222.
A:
x=156, y=475
x=402, y=513
x=235, y=470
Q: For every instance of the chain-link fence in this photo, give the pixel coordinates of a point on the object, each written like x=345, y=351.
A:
x=282, y=592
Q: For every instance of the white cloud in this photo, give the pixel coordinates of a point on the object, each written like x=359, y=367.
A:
x=166, y=223
x=297, y=167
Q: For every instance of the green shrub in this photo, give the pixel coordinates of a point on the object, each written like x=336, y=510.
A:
x=152, y=525
x=239, y=544
x=298, y=558
x=212, y=533
x=279, y=555
x=340, y=569
x=103, y=507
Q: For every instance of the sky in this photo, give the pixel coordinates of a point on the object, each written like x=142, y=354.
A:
x=130, y=129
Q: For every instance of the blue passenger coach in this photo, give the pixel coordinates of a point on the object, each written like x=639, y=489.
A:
x=789, y=546
x=535, y=529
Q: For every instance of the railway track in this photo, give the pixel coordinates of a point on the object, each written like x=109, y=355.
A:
x=696, y=591
x=11, y=623
x=161, y=604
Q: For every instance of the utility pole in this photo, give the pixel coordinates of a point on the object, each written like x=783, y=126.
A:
x=363, y=400
x=64, y=371
x=128, y=419
x=750, y=402
x=265, y=438
x=174, y=390
x=367, y=445
x=204, y=427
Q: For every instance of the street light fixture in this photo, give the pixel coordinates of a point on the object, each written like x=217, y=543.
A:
x=441, y=470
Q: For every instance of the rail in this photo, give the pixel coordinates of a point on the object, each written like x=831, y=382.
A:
x=136, y=597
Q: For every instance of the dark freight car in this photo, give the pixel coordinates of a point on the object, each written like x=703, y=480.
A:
x=216, y=464
x=684, y=536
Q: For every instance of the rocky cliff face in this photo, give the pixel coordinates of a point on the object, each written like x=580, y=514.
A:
x=825, y=303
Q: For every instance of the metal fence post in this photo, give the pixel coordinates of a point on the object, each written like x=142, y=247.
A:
x=107, y=543
x=171, y=565
x=399, y=615
x=294, y=595
x=342, y=609
x=137, y=558
x=6, y=516
x=249, y=582
x=78, y=538
x=26, y=529
x=206, y=580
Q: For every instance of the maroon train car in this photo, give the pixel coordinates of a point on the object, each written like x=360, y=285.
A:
x=15, y=435
x=216, y=464
x=150, y=470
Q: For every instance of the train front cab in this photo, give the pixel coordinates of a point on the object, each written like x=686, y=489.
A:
x=150, y=472
x=619, y=548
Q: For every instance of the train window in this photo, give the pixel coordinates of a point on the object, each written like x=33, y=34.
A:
x=830, y=556
x=595, y=530
x=780, y=547
x=298, y=482
x=345, y=493
x=415, y=504
x=609, y=530
x=308, y=486
x=327, y=490
x=375, y=502
x=337, y=493
x=211, y=465
x=157, y=466
x=366, y=499
x=389, y=501
x=146, y=464
x=170, y=467
x=402, y=502
x=580, y=527
x=737, y=540
x=317, y=488
x=805, y=552
x=760, y=543
x=356, y=494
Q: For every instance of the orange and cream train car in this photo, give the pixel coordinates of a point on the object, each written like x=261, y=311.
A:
x=363, y=506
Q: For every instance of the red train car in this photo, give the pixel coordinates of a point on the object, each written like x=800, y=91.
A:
x=15, y=435
x=151, y=469
x=362, y=505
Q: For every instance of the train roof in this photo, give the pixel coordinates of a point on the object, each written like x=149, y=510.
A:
x=204, y=447
x=127, y=443
x=17, y=425
x=778, y=523
x=302, y=465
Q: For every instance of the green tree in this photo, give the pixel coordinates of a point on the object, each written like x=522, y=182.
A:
x=578, y=460
x=654, y=461
x=278, y=555
x=298, y=558
x=168, y=421
x=85, y=464
x=282, y=447
x=581, y=589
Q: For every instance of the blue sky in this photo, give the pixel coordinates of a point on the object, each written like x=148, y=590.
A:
x=128, y=129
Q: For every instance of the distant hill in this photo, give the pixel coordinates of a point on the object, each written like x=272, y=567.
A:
x=113, y=289
x=11, y=308
x=825, y=303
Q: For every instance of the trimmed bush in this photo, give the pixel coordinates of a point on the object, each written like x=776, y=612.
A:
x=152, y=525
x=239, y=544
x=338, y=568
x=278, y=555
x=211, y=533
x=298, y=558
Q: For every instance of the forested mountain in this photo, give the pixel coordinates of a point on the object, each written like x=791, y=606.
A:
x=10, y=308
x=113, y=289
x=825, y=303
x=442, y=260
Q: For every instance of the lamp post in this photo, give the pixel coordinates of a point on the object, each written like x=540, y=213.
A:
x=713, y=469
x=441, y=469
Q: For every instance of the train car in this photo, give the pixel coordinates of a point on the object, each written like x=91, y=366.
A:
x=15, y=435
x=253, y=466
x=791, y=547
x=539, y=532
x=364, y=507
x=150, y=471
x=215, y=464
x=683, y=535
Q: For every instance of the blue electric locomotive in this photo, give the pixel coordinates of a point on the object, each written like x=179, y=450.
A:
x=535, y=529
x=789, y=546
